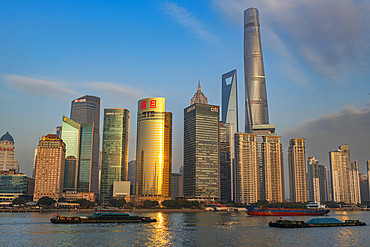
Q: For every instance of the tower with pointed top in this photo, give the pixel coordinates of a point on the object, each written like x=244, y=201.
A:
x=201, y=149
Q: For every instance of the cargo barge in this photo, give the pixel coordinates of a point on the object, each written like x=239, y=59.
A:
x=264, y=211
x=316, y=222
x=102, y=218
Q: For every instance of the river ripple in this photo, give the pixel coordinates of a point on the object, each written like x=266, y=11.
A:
x=179, y=229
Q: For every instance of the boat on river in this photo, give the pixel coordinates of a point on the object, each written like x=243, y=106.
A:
x=265, y=211
x=102, y=218
x=316, y=222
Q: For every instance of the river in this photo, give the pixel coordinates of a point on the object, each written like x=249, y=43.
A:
x=179, y=229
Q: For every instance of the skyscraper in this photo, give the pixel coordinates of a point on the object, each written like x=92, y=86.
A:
x=86, y=110
x=297, y=170
x=273, y=170
x=115, y=149
x=131, y=175
x=255, y=86
x=79, y=139
x=230, y=116
x=344, y=185
x=50, y=167
x=201, y=150
x=226, y=172
x=7, y=151
x=247, y=168
x=317, y=181
x=364, y=188
x=153, y=150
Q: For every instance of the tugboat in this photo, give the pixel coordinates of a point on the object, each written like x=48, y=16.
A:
x=102, y=218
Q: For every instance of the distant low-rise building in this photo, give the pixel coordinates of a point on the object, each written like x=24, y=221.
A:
x=14, y=185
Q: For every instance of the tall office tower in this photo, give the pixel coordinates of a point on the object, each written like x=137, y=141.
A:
x=175, y=185
x=273, y=170
x=201, y=151
x=131, y=175
x=153, y=150
x=297, y=170
x=317, y=181
x=230, y=115
x=247, y=167
x=255, y=86
x=59, y=131
x=115, y=149
x=86, y=110
x=7, y=150
x=343, y=186
x=364, y=188
x=50, y=167
x=226, y=172
x=79, y=139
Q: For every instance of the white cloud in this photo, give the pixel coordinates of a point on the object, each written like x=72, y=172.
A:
x=332, y=36
x=121, y=91
x=38, y=87
x=326, y=133
x=188, y=20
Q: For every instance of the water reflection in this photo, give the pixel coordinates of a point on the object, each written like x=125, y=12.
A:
x=179, y=229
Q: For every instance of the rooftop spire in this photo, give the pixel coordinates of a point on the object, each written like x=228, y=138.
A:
x=199, y=97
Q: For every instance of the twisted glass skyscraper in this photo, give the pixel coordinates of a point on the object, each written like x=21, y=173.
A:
x=255, y=85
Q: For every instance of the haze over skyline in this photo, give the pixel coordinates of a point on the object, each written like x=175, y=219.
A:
x=316, y=57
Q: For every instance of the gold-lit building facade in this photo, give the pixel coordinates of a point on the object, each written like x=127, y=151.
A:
x=247, y=168
x=153, y=149
x=50, y=168
x=297, y=170
x=273, y=170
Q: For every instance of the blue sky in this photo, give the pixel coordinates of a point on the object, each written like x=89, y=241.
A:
x=316, y=57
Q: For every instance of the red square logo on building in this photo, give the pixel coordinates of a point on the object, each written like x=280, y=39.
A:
x=153, y=104
x=143, y=105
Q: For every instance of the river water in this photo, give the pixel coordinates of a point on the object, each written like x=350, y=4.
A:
x=179, y=229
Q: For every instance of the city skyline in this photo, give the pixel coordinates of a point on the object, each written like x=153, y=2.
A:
x=79, y=52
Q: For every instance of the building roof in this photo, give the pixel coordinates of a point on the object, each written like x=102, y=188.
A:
x=7, y=137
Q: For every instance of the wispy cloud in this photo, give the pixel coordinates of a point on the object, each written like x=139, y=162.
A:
x=38, y=87
x=188, y=20
x=327, y=132
x=121, y=91
x=332, y=36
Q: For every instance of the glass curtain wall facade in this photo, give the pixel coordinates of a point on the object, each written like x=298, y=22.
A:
x=153, y=162
x=201, y=152
x=71, y=137
x=85, y=110
x=230, y=115
x=85, y=178
x=225, y=162
x=115, y=149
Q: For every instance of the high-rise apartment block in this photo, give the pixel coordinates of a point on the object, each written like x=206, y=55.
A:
x=297, y=170
x=364, y=188
x=86, y=110
x=115, y=149
x=317, y=181
x=345, y=187
x=226, y=171
x=7, y=150
x=153, y=150
x=247, y=168
x=201, y=150
x=273, y=171
x=230, y=116
x=50, y=167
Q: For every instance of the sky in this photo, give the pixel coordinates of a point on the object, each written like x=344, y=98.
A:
x=316, y=56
